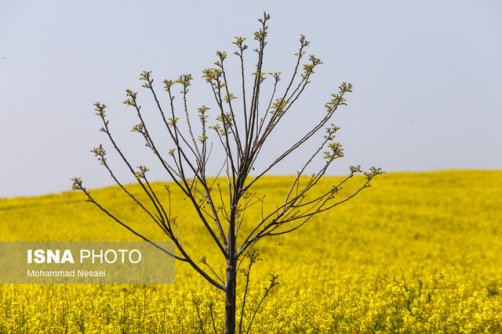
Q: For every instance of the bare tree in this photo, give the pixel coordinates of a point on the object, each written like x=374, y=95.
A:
x=241, y=129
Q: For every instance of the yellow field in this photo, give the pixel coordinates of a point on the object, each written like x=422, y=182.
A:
x=417, y=253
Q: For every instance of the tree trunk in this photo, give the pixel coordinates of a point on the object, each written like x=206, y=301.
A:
x=230, y=298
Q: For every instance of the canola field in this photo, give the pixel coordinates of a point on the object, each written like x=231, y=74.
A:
x=416, y=253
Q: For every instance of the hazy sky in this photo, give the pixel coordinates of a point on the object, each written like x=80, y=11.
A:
x=427, y=78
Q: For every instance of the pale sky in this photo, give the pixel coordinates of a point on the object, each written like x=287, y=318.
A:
x=427, y=78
